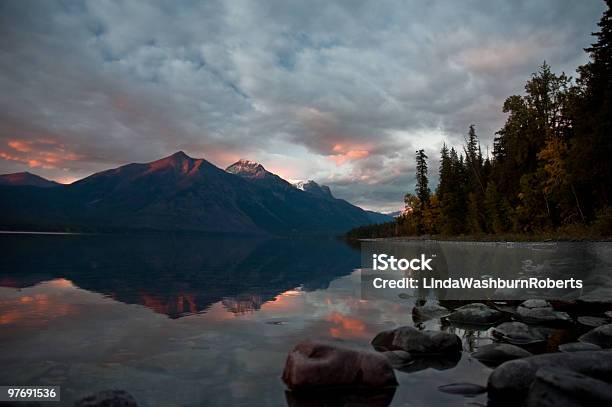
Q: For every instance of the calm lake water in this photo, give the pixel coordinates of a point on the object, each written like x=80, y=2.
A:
x=191, y=320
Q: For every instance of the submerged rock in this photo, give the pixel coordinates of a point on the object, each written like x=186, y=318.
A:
x=429, y=311
x=560, y=387
x=476, y=314
x=495, y=354
x=417, y=343
x=601, y=336
x=578, y=347
x=464, y=389
x=517, y=333
x=320, y=365
x=108, y=398
x=540, y=312
x=404, y=362
x=510, y=382
x=592, y=322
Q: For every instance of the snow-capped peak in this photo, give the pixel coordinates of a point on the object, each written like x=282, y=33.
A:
x=247, y=168
x=314, y=188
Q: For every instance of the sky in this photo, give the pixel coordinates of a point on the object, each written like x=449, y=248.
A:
x=341, y=92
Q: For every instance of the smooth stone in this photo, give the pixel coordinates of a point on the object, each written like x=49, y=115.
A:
x=578, y=347
x=601, y=336
x=536, y=303
x=320, y=365
x=565, y=388
x=509, y=383
x=517, y=333
x=108, y=398
x=417, y=343
x=476, y=314
x=505, y=307
x=592, y=322
x=404, y=296
x=464, y=389
x=495, y=354
x=429, y=311
x=540, y=312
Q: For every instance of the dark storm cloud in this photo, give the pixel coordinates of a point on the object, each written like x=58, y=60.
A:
x=343, y=92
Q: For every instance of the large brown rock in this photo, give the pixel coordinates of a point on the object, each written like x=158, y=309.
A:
x=320, y=365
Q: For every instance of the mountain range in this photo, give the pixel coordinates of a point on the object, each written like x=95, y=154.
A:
x=178, y=193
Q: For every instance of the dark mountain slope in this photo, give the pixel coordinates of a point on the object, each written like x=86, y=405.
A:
x=177, y=193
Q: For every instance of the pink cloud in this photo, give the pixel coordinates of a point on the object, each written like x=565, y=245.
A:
x=43, y=153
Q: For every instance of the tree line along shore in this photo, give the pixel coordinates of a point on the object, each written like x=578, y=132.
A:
x=548, y=175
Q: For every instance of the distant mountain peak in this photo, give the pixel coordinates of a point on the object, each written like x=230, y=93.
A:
x=181, y=155
x=26, y=178
x=246, y=168
x=178, y=161
x=314, y=188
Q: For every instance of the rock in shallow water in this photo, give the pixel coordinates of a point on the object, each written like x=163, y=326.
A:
x=464, y=389
x=417, y=343
x=592, y=322
x=564, y=388
x=495, y=354
x=108, y=398
x=509, y=383
x=541, y=312
x=578, y=347
x=429, y=311
x=404, y=362
x=601, y=336
x=517, y=333
x=320, y=365
x=476, y=314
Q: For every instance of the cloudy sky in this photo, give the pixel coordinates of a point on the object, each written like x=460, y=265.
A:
x=342, y=92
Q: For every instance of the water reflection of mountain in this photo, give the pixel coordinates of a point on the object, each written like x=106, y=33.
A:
x=177, y=275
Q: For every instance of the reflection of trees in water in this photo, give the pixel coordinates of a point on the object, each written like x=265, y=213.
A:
x=471, y=337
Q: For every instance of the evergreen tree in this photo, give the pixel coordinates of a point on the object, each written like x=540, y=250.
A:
x=591, y=148
x=475, y=183
x=422, y=183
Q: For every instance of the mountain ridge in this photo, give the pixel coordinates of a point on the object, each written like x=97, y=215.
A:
x=179, y=193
